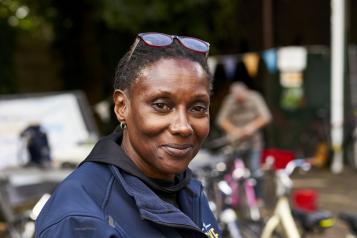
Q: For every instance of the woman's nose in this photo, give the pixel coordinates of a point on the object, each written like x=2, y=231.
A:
x=180, y=124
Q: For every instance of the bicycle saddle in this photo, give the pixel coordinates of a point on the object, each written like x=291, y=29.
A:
x=311, y=221
x=351, y=221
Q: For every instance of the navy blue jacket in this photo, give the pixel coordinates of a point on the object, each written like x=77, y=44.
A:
x=101, y=200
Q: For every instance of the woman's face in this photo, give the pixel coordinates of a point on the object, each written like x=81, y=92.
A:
x=167, y=117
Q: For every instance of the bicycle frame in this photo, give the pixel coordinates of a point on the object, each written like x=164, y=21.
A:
x=282, y=216
x=240, y=176
x=221, y=186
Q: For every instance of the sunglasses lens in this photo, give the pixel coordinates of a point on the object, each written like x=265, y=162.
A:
x=156, y=39
x=195, y=44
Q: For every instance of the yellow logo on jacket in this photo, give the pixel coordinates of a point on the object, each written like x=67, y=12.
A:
x=209, y=231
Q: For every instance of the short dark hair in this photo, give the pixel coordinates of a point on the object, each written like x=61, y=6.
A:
x=131, y=64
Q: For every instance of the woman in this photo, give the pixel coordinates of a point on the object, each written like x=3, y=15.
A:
x=136, y=183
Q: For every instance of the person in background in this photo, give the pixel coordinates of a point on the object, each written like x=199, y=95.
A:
x=136, y=181
x=242, y=116
x=37, y=146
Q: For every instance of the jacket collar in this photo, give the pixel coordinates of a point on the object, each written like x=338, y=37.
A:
x=151, y=207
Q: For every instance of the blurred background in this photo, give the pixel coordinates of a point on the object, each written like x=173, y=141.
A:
x=58, y=58
x=62, y=46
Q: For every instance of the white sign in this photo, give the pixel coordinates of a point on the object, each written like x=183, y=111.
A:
x=59, y=115
x=292, y=59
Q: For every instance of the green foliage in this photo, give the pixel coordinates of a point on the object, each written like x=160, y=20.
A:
x=107, y=28
x=213, y=20
x=18, y=15
x=7, y=39
x=133, y=14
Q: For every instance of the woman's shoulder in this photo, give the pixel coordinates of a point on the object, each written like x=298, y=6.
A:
x=79, y=226
x=90, y=179
x=92, y=171
x=80, y=194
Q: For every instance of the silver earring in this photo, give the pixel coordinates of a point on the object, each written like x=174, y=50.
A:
x=122, y=125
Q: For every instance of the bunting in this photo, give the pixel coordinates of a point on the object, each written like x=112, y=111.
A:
x=284, y=59
x=270, y=58
x=251, y=61
x=230, y=65
x=212, y=64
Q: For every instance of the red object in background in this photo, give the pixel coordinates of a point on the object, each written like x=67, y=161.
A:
x=305, y=199
x=281, y=157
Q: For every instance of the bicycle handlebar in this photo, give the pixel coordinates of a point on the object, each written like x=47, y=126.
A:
x=298, y=163
x=285, y=182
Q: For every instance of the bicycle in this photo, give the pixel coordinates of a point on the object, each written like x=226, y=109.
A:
x=23, y=193
x=285, y=220
x=17, y=225
x=239, y=176
x=222, y=186
x=243, y=197
x=283, y=215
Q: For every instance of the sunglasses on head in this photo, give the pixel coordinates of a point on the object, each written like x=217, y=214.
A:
x=156, y=39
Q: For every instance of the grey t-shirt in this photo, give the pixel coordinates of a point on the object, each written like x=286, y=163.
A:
x=242, y=113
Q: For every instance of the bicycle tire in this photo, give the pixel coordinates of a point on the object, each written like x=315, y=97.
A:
x=247, y=231
x=243, y=207
x=252, y=229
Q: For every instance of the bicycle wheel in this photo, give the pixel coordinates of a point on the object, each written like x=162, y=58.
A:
x=248, y=231
x=243, y=208
x=247, y=207
x=252, y=229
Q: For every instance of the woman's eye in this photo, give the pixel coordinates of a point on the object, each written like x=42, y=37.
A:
x=200, y=109
x=161, y=107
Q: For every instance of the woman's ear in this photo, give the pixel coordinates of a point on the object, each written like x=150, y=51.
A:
x=120, y=105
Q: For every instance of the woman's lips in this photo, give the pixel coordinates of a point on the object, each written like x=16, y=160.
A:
x=178, y=150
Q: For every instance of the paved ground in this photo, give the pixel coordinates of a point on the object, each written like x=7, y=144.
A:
x=337, y=193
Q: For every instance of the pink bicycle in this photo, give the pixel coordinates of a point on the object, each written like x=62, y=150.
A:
x=243, y=197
